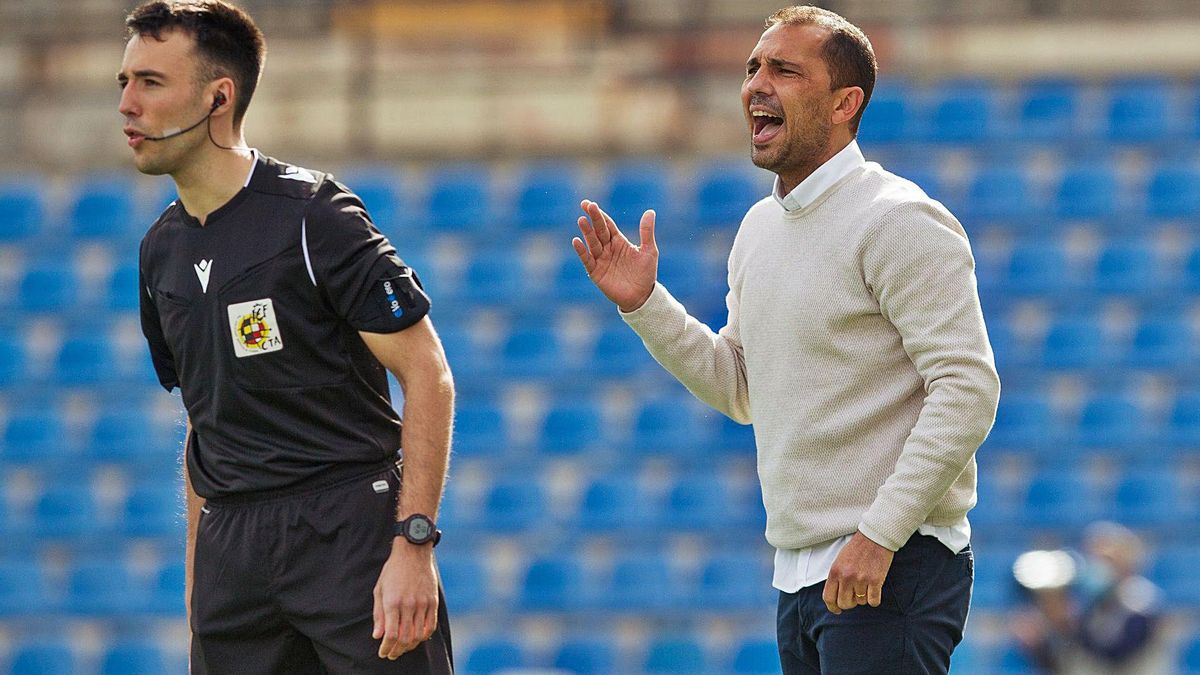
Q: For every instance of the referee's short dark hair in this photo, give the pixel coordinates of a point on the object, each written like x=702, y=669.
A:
x=847, y=52
x=227, y=40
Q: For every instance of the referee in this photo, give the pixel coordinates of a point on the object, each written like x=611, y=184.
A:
x=271, y=300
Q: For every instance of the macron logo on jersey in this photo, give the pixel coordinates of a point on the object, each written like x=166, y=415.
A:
x=203, y=269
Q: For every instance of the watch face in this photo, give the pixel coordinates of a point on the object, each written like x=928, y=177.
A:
x=419, y=528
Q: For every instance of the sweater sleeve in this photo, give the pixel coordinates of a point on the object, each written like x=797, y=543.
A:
x=918, y=264
x=711, y=365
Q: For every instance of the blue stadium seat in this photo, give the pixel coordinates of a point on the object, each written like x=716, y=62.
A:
x=104, y=208
x=552, y=583
x=686, y=273
x=735, y=581
x=23, y=588
x=683, y=655
x=492, y=655
x=480, y=429
x=1012, y=660
x=1087, y=191
x=155, y=509
x=724, y=193
x=126, y=433
x=1174, y=570
x=1191, y=271
x=1075, y=342
x=1162, y=341
x=133, y=658
x=571, y=281
x=493, y=278
x=167, y=594
x=67, y=512
x=1183, y=430
x=1174, y=192
x=962, y=112
x=1138, y=111
x=86, y=359
x=1148, y=498
x=465, y=582
x=735, y=438
x=12, y=358
x=104, y=587
x=1000, y=192
x=887, y=118
x=1024, y=420
x=757, y=656
x=21, y=210
x=459, y=199
x=586, y=656
x=1112, y=421
x=514, y=505
x=643, y=581
x=1047, y=110
x=1189, y=658
x=548, y=197
x=1126, y=267
x=48, y=285
x=673, y=426
x=1038, y=267
x=634, y=187
x=571, y=427
x=614, y=503
x=533, y=351
x=995, y=588
x=619, y=352
x=698, y=501
x=379, y=190
x=34, y=434
x=124, y=290
x=1058, y=500
x=44, y=658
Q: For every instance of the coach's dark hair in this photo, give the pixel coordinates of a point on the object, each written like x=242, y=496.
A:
x=847, y=51
x=227, y=40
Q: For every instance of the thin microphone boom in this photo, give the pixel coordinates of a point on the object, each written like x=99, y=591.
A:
x=172, y=133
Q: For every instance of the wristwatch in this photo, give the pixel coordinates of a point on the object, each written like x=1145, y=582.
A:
x=418, y=529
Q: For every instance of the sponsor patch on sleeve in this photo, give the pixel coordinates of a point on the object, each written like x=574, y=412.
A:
x=255, y=328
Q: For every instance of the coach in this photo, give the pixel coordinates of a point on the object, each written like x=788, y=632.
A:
x=273, y=303
x=855, y=345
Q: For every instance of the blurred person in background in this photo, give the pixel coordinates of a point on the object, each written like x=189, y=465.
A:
x=271, y=300
x=1106, y=621
x=855, y=345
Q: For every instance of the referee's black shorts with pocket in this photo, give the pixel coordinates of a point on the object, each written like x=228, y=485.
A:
x=284, y=584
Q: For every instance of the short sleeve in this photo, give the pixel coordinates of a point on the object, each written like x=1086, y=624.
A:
x=160, y=352
x=356, y=267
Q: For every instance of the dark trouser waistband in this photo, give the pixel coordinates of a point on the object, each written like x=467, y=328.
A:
x=329, y=478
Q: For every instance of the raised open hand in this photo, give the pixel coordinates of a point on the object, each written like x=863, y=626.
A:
x=625, y=273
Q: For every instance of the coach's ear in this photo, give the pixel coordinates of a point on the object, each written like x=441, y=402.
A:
x=847, y=102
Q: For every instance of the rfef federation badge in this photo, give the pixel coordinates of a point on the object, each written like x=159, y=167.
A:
x=255, y=329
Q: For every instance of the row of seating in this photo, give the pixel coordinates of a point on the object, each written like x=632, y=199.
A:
x=123, y=656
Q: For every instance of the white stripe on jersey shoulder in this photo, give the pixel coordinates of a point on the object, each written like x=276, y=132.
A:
x=304, y=247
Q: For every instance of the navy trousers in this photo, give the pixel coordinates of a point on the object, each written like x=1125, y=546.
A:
x=913, y=630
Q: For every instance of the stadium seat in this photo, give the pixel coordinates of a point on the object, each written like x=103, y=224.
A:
x=533, y=352
x=553, y=583
x=1075, y=342
x=1183, y=430
x=1058, y=500
x=1138, y=111
x=379, y=190
x=12, y=358
x=735, y=438
x=1087, y=191
x=123, y=293
x=1038, y=267
x=1189, y=661
x=1174, y=570
x=686, y=274
x=634, y=187
x=1012, y=660
x=480, y=429
x=962, y=112
x=465, y=581
x=23, y=588
x=514, y=505
x=572, y=427
x=155, y=508
x=1047, y=110
x=673, y=426
x=44, y=658
x=1191, y=271
x=682, y=655
x=756, y=656
x=1174, y=192
x=1146, y=498
x=887, y=118
x=1113, y=422
x=643, y=581
x=697, y=501
x=459, y=199
x=86, y=359
x=67, y=512
x=21, y=210
x=1126, y=267
x=167, y=594
x=103, y=587
x=586, y=656
x=493, y=655
x=995, y=588
x=1162, y=341
x=736, y=581
x=494, y=278
x=133, y=658
x=614, y=503
x=34, y=435
x=999, y=192
x=723, y=195
x=48, y=285
x=548, y=198
x=126, y=433
x=618, y=352
x=104, y=208
x=1024, y=421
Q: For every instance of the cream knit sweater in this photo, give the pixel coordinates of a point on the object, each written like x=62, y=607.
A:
x=856, y=346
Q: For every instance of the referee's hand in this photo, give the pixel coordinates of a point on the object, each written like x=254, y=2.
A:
x=623, y=272
x=406, y=599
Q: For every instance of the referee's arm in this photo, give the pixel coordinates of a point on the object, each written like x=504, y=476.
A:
x=406, y=596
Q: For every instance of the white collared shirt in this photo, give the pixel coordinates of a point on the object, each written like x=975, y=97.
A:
x=800, y=568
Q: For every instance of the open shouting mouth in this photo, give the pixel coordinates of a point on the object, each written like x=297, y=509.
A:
x=766, y=125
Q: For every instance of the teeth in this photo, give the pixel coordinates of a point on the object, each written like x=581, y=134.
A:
x=762, y=113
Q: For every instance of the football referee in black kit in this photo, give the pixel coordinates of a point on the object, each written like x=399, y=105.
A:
x=273, y=303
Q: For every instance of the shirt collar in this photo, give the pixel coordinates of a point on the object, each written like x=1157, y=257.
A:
x=253, y=165
x=834, y=169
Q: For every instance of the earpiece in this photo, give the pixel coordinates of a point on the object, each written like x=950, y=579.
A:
x=218, y=101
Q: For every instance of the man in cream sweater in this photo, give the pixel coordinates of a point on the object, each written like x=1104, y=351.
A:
x=856, y=347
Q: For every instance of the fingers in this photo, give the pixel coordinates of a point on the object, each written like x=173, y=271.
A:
x=830, y=595
x=585, y=256
x=588, y=230
x=391, y=629
x=845, y=595
x=646, y=232
x=599, y=221
x=377, y=613
x=874, y=594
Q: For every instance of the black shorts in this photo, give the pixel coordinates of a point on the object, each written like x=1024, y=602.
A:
x=285, y=584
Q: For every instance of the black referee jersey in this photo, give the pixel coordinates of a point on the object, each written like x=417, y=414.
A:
x=255, y=316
